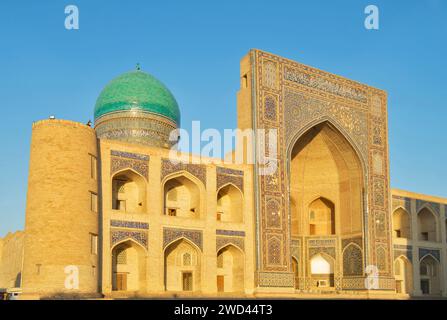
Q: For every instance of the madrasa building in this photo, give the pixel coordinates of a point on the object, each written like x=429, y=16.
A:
x=109, y=213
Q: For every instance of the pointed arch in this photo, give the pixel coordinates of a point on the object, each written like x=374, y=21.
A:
x=321, y=217
x=183, y=173
x=401, y=223
x=128, y=239
x=323, y=161
x=321, y=263
x=428, y=226
x=230, y=203
x=183, y=195
x=339, y=128
x=128, y=266
x=129, y=189
x=180, y=238
x=429, y=272
x=177, y=275
x=403, y=273
x=230, y=269
x=127, y=169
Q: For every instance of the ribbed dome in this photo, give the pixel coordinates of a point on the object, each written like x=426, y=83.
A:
x=137, y=90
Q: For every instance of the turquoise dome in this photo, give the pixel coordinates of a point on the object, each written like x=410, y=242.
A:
x=137, y=90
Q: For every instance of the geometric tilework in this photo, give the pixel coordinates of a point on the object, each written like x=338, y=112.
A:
x=225, y=175
x=434, y=252
x=129, y=155
x=119, y=235
x=197, y=170
x=126, y=160
x=172, y=234
x=230, y=233
x=276, y=279
x=402, y=201
x=403, y=250
x=223, y=241
x=129, y=224
x=435, y=206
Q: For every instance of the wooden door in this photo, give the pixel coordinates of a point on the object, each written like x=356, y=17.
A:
x=187, y=281
x=121, y=281
x=220, y=283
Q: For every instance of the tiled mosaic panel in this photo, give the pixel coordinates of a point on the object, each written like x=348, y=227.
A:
x=172, y=234
x=117, y=236
x=129, y=224
x=197, y=170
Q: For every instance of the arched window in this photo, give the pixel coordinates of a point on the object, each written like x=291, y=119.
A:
x=187, y=259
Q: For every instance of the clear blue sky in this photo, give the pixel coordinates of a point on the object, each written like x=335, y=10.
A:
x=194, y=47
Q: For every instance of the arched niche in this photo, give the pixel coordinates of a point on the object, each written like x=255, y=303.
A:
x=324, y=164
x=401, y=224
x=129, y=192
x=430, y=277
x=427, y=225
x=182, y=197
x=182, y=266
x=403, y=273
x=128, y=267
x=322, y=270
x=229, y=204
x=321, y=217
x=230, y=269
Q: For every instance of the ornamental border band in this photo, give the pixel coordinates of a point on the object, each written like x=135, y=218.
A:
x=109, y=215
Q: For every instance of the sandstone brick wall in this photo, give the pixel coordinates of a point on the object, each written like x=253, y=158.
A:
x=59, y=220
x=11, y=254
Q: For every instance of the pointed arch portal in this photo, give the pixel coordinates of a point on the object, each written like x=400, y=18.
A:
x=325, y=166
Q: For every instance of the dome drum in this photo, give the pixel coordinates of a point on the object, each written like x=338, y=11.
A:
x=136, y=127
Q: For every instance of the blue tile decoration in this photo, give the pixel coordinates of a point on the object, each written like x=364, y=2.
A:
x=405, y=202
x=319, y=83
x=130, y=155
x=172, y=234
x=137, y=91
x=230, y=233
x=436, y=207
x=404, y=250
x=233, y=172
x=197, y=170
x=117, y=236
x=224, y=241
x=226, y=175
x=126, y=160
x=129, y=224
x=434, y=252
